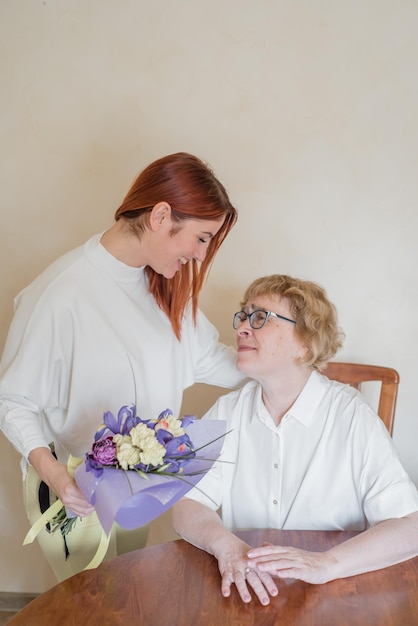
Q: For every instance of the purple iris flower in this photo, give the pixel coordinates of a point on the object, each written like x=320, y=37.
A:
x=174, y=466
x=165, y=414
x=180, y=446
x=187, y=420
x=126, y=420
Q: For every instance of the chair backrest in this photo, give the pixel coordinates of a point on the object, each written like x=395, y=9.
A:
x=355, y=374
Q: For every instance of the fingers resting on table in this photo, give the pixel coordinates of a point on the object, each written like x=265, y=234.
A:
x=234, y=570
x=289, y=562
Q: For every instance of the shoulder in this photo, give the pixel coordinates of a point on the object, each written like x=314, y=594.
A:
x=334, y=392
x=54, y=285
x=233, y=405
x=348, y=408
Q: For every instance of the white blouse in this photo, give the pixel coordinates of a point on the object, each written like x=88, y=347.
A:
x=330, y=464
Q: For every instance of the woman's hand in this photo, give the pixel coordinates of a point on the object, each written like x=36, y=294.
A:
x=288, y=562
x=67, y=490
x=386, y=543
x=203, y=528
x=232, y=562
x=56, y=476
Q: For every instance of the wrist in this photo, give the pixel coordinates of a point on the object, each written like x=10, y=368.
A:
x=224, y=543
x=330, y=567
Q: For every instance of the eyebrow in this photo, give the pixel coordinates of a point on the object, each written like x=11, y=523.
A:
x=206, y=232
x=256, y=307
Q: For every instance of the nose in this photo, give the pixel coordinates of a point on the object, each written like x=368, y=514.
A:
x=200, y=254
x=244, y=328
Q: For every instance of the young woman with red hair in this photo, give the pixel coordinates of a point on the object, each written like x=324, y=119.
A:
x=115, y=320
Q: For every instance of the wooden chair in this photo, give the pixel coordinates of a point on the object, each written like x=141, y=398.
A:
x=355, y=374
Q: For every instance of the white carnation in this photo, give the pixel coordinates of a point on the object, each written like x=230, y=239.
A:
x=140, y=434
x=172, y=424
x=153, y=453
x=120, y=439
x=127, y=454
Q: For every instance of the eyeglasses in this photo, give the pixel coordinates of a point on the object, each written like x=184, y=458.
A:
x=257, y=318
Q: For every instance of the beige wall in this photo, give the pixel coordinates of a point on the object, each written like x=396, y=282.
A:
x=307, y=110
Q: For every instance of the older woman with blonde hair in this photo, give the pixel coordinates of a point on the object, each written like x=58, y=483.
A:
x=304, y=452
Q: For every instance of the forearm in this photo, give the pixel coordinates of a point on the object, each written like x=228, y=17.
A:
x=44, y=463
x=385, y=544
x=200, y=526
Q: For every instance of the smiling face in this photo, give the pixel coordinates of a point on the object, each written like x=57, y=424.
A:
x=177, y=243
x=274, y=349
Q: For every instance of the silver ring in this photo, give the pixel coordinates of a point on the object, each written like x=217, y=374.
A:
x=248, y=570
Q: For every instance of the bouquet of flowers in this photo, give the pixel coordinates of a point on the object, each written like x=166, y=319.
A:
x=137, y=469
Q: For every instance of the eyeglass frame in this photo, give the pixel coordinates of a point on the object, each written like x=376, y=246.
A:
x=250, y=315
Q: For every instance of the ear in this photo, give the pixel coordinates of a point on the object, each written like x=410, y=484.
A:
x=160, y=214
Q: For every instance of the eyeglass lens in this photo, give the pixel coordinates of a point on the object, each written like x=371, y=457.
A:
x=257, y=319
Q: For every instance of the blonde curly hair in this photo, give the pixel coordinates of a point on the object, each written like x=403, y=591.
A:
x=315, y=316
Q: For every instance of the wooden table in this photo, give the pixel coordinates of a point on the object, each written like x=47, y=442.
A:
x=175, y=584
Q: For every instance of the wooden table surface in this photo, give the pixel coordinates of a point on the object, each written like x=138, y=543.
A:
x=175, y=584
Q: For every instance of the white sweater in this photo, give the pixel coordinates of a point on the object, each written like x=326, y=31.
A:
x=77, y=329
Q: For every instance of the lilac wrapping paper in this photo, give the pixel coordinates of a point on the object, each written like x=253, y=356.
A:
x=133, y=501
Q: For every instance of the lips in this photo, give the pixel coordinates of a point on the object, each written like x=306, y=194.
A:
x=182, y=261
x=244, y=348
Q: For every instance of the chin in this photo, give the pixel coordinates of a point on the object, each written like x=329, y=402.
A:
x=242, y=366
x=169, y=273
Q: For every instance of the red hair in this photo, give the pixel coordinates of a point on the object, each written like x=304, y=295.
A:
x=192, y=190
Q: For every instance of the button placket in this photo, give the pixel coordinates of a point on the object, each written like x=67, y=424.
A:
x=275, y=500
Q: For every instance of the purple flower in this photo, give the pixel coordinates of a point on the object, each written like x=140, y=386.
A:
x=173, y=466
x=179, y=450
x=126, y=420
x=187, y=420
x=104, y=451
x=179, y=447
x=93, y=466
x=165, y=414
